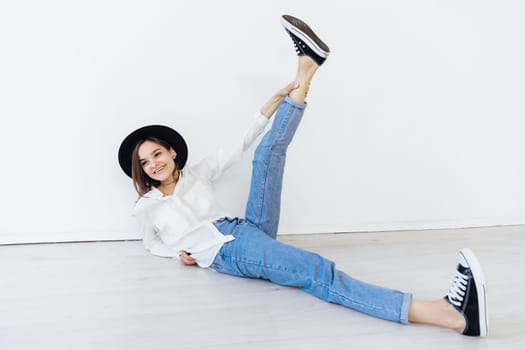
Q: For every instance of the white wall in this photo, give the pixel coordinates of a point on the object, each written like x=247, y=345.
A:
x=415, y=121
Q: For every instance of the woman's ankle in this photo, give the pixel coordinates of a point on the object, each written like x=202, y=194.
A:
x=306, y=68
x=436, y=312
x=456, y=321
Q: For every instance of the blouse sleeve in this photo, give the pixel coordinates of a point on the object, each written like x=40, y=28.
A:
x=212, y=167
x=153, y=243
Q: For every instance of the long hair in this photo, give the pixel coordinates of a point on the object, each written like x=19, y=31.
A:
x=142, y=182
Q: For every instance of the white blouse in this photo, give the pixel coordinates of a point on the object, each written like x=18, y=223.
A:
x=184, y=220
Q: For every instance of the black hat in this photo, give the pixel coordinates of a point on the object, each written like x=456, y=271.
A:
x=162, y=132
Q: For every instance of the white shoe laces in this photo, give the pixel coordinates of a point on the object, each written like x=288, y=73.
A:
x=457, y=291
x=297, y=49
x=299, y=45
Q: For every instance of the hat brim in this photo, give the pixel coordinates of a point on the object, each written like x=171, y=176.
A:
x=172, y=137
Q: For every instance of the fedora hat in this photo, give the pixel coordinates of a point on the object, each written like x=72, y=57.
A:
x=172, y=137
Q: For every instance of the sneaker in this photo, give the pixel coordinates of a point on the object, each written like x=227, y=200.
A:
x=305, y=40
x=468, y=294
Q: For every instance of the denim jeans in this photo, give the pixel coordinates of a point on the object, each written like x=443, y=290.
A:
x=255, y=253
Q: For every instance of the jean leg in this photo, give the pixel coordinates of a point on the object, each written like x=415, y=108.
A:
x=264, y=201
x=255, y=255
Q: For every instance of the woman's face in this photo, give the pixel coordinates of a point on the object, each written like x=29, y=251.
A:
x=157, y=161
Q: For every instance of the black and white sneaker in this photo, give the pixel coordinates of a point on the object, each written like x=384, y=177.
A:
x=468, y=294
x=305, y=40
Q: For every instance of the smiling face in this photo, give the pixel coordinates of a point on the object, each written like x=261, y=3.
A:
x=157, y=161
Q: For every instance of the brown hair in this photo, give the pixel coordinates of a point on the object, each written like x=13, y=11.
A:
x=142, y=182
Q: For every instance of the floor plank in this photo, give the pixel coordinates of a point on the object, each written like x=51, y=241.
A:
x=113, y=295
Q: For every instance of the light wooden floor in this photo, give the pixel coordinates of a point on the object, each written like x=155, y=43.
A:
x=114, y=295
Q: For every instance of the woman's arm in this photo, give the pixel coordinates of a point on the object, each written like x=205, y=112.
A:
x=269, y=108
x=153, y=243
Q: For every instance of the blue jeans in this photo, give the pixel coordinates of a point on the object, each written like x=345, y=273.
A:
x=255, y=253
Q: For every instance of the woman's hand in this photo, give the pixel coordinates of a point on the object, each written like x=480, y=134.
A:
x=186, y=258
x=269, y=108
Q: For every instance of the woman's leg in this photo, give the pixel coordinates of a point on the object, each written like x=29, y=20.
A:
x=255, y=255
x=436, y=312
x=306, y=69
x=264, y=201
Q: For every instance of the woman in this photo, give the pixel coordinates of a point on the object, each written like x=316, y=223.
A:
x=181, y=218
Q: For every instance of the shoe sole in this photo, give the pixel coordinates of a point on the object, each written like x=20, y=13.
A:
x=306, y=34
x=481, y=289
